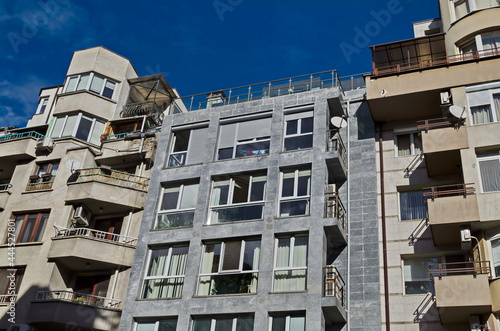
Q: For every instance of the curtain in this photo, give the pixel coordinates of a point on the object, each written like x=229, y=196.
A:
x=56, y=130
x=173, y=286
x=255, y=247
x=282, y=261
x=481, y=114
x=403, y=141
x=95, y=138
x=152, y=288
x=496, y=104
x=220, y=193
x=490, y=175
x=412, y=206
x=207, y=262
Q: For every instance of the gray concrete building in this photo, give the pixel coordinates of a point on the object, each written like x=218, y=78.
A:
x=261, y=213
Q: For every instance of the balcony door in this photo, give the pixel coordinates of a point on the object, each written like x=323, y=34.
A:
x=112, y=226
x=89, y=287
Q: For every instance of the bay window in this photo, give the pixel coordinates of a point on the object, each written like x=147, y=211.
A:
x=298, y=131
x=238, y=198
x=188, y=146
x=295, y=191
x=289, y=322
x=165, y=272
x=223, y=323
x=463, y=7
x=229, y=267
x=177, y=205
x=489, y=170
x=79, y=126
x=416, y=275
x=290, y=263
x=408, y=144
x=91, y=82
x=412, y=206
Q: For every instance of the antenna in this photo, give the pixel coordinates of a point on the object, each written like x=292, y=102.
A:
x=338, y=122
x=458, y=112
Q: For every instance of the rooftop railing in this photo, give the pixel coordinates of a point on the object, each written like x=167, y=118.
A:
x=78, y=298
x=459, y=268
x=94, y=234
x=448, y=191
x=115, y=177
x=335, y=208
x=14, y=136
x=334, y=285
x=438, y=123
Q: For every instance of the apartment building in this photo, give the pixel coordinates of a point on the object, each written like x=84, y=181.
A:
x=73, y=185
x=255, y=194
x=436, y=103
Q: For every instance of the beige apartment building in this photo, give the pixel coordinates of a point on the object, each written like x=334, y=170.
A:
x=73, y=184
x=436, y=103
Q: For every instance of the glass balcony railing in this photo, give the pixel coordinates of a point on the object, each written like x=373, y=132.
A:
x=174, y=219
x=247, y=212
x=237, y=283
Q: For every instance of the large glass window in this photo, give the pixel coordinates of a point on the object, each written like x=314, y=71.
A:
x=295, y=191
x=238, y=198
x=290, y=266
x=290, y=322
x=244, y=139
x=495, y=253
x=223, y=323
x=164, y=324
x=29, y=227
x=188, y=146
x=177, y=205
x=408, y=144
x=489, y=168
x=229, y=267
x=165, y=273
x=10, y=282
x=79, y=126
x=412, y=205
x=91, y=82
x=298, y=131
x=416, y=275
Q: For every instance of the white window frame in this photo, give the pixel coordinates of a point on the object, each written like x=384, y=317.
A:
x=178, y=203
x=156, y=322
x=42, y=105
x=401, y=207
x=76, y=126
x=295, y=196
x=472, y=8
x=290, y=258
x=213, y=322
x=477, y=40
x=300, y=116
x=412, y=143
x=403, y=259
x=165, y=270
x=185, y=159
x=89, y=83
x=487, y=157
x=489, y=103
x=287, y=320
x=214, y=207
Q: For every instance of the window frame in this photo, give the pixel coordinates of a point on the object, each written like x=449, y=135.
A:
x=471, y=7
x=88, y=84
x=436, y=259
x=298, y=116
x=186, y=158
x=288, y=318
x=38, y=227
x=214, y=318
x=412, y=143
x=486, y=157
x=401, y=207
x=76, y=126
x=6, y=297
x=295, y=196
x=155, y=321
x=291, y=256
x=490, y=103
x=177, y=210
x=42, y=105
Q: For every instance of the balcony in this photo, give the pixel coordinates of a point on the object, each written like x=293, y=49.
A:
x=335, y=220
x=116, y=150
x=4, y=195
x=57, y=309
x=104, y=188
x=333, y=301
x=43, y=182
x=462, y=289
x=336, y=158
x=19, y=146
x=449, y=207
x=81, y=248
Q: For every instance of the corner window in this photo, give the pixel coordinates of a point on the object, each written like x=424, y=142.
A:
x=298, y=131
x=295, y=191
x=187, y=146
x=42, y=106
x=163, y=324
x=412, y=205
x=229, y=267
x=289, y=322
x=416, y=275
x=9, y=276
x=91, y=82
x=29, y=227
x=79, y=126
x=238, y=198
x=223, y=323
x=44, y=176
x=177, y=205
x=489, y=170
x=290, y=263
x=408, y=144
x=244, y=139
x=165, y=273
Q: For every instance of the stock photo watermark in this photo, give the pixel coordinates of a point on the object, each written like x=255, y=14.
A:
x=223, y=6
x=32, y=23
x=11, y=277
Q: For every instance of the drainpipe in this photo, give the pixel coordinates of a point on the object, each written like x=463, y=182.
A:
x=348, y=217
x=384, y=235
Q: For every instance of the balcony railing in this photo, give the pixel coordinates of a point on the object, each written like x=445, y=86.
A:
x=6, y=298
x=336, y=144
x=448, y=191
x=334, y=285
x=175, y=219
x=237, y=213
x=459, y=268
x=146, y=108
x=116, y=136
x=78, y=298
x=335, y=208
x=14, y=136
x=230, y=283
x=5, y=187
x=119, y=178
x=437, y=123
x=94, y=234
x=44, y=182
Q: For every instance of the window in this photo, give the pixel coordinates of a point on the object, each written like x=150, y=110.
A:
x=43, y=177
x=290, y=264
x=177, y=205
x=238, y=198
x=30, y=227
x=295, y=192
x=409, y=144
x=483, y=44
x=412, y=205
x=188, y=147
x=244, y=139
x=229, y=267
x=416, y=275
x=78, y=126
x=42, y=105
x=485, y=114
x=223, y=323
x=291, y=322
x=91, y=82
x=165, y=273
x=463, y=7
x=164, y=324
x=298, y=131
x=495, y=254
x=10, y=282
x=489, y=169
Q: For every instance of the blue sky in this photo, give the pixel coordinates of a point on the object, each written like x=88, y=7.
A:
x=199, y=45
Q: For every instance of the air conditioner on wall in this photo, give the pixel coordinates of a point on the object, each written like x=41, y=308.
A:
x=81, y=216
x=44, y=144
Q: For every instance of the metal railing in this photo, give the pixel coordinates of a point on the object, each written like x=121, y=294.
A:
x=115, y=177
x=423, y=307
x=335, y=208
x=41, y=183
x=7, y=298
x=459, y=268
x=418, y=231
x=437, y=123
x=415, y=162
x=145, y=108
x=334, y=285
x=336, y=144
x=94, y=234
x=448, y=191
x=78, y=298
x=5, y=187
x=116, y=136
x=435, y=62
x=14, y=136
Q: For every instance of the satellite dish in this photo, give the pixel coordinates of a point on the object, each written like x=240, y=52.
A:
x=72, y=164
x=338, y=122
x=458, y=112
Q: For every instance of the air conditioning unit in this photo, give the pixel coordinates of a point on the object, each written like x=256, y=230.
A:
x=20, y=327
x=44, y=144
x=445, y=98
x=81, y=216
x=465, y=238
